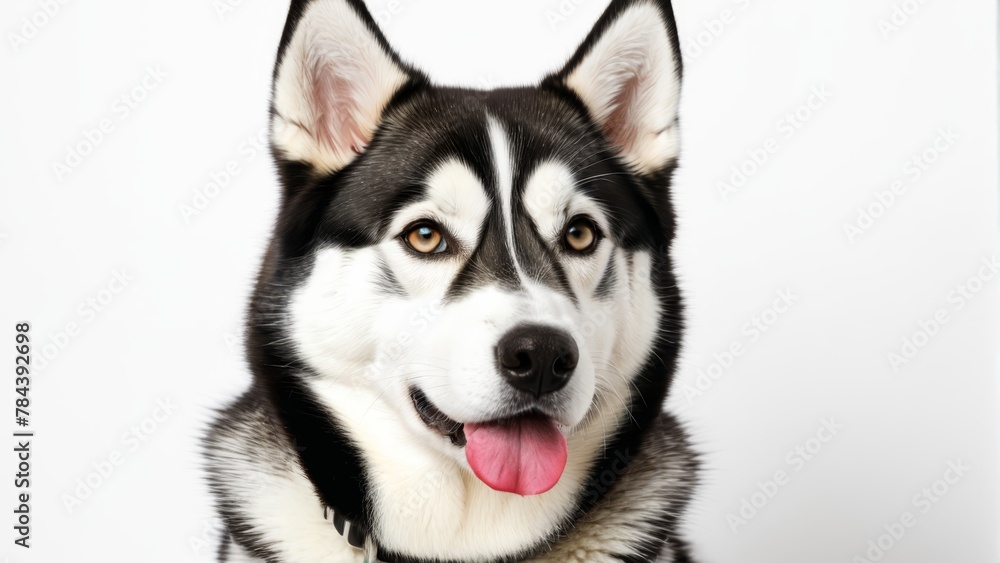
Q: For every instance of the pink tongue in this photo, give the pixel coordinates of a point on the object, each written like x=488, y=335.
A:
x=524, y=455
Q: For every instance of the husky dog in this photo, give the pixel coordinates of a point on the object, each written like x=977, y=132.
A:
x=467, y=321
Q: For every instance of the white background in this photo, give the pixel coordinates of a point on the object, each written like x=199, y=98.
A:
x=172, y=333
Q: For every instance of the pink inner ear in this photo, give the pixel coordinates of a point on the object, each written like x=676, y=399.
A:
x=620, y=126
x=336, y=106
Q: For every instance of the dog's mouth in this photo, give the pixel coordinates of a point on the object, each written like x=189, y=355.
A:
x=525, y=454
x=437, y=420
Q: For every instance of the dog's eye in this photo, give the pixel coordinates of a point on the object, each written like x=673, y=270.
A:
x=581, y=235
x=425, y=238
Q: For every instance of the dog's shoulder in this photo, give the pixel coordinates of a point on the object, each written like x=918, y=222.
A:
x=636, y=520
x=269, y=508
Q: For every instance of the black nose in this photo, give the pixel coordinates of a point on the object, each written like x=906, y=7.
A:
x=537, y=359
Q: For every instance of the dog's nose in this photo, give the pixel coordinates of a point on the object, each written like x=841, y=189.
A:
x=537, y=359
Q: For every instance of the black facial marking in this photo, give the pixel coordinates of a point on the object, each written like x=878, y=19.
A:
x=387, y=281
x=491, y=262
x=608, y=280
x=538, y=259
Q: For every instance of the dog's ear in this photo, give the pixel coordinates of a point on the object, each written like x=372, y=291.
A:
x=334, y=77
x=627, y=73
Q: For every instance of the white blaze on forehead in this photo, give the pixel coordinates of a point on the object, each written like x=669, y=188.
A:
x=503, y=161
x=455, y=198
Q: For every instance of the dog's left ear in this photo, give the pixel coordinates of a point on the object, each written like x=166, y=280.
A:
x=627, y=73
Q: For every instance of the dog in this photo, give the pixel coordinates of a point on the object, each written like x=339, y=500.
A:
x=467, y=321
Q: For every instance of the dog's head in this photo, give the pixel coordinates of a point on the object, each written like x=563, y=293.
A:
x=488, y=267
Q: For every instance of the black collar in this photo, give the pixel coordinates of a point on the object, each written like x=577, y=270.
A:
x=356, y=536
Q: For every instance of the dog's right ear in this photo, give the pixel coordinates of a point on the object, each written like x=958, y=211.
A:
x=334, y=77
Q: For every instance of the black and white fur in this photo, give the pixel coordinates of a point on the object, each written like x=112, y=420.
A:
x=345, y=322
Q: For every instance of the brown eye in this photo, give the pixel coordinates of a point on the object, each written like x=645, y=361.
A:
x=580, y=235
x=425, y=238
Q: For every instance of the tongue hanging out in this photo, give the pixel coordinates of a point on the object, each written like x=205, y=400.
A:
x=524, y=455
